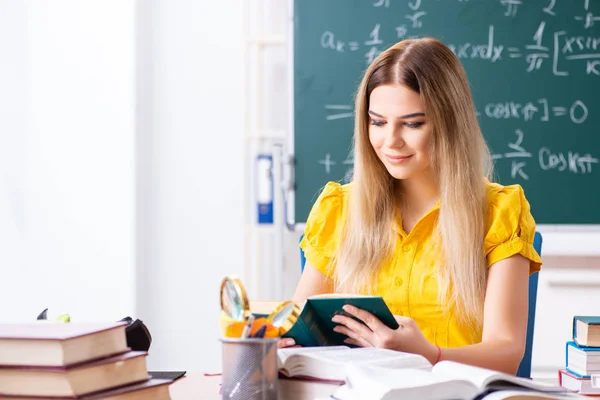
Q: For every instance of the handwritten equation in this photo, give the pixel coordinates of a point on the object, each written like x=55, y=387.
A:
x=518, y=156
x=510, y=7
x=540, y=110
x=577, y=112
x=563, y=161
x=543, y=48
x=587, y=17
x=556, y=50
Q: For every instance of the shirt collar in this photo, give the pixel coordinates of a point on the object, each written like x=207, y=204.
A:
x=398, y=221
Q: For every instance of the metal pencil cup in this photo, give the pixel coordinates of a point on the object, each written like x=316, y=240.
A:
x=249, y=369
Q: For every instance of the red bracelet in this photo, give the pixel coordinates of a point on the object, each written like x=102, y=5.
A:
x=439, y=356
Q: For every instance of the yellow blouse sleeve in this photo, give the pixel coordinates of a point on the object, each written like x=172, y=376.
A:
x=511, y=227
x=324, y=228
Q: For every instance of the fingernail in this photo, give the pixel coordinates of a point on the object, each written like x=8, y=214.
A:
x=335, y=319
x=335, y=329
x=291, y=342
x=348, y=308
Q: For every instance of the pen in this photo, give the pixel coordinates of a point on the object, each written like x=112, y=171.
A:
x=260, y=333
x=248, y=327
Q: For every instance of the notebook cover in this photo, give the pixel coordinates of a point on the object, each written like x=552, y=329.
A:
x=315, y=328
x=326, y=308
x=307, y=330
x=54, y=330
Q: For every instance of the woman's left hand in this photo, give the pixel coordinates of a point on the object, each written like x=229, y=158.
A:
x=373, y=333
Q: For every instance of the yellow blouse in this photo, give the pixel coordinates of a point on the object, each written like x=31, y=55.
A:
x=408, y=283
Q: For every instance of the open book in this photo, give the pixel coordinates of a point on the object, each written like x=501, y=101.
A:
x=446, y=380
x=327, y=363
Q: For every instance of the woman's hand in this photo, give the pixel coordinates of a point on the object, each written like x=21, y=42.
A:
x=286, y=342
x=407, y=338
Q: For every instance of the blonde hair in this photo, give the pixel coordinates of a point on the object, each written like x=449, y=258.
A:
x=460, y=161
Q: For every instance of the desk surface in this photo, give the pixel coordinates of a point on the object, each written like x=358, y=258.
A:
x=196, y=386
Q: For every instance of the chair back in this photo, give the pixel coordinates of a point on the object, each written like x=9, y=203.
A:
x=524, y=370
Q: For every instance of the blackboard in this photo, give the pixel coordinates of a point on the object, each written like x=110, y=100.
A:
x=533, y=67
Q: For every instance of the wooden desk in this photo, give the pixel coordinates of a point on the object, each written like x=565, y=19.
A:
x=196, y=386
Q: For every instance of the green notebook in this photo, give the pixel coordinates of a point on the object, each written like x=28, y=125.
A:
x=315, y=327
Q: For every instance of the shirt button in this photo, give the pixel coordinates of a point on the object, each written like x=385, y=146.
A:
x=407, y=249
x=398, y=281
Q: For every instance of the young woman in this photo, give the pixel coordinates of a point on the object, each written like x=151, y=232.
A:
x=420, y=224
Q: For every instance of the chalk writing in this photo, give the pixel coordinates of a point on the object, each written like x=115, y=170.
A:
x=489, y=51
x=539, y=52
x=339, y=110
x=401, y=31
x=549, y=8
x=511, y=7
x=381, y=3
x=571, y=162
x=328, y=163
x=578, y=111
x=561, y=161
x=589, y=18
x=516, y=151
x=416, y=18
x=515, y=41
x=328, y=41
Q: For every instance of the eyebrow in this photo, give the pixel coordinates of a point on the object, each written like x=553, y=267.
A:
x=417, y=114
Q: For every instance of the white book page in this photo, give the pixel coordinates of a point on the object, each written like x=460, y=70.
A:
x=284, y=354
x=377, y=383
x=483, y=377
x=373, y=356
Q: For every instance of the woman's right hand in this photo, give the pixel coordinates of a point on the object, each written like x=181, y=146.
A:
x=286, y=342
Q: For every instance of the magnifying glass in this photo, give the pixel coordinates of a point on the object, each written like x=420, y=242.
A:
x=234, y=300
x=284, y=316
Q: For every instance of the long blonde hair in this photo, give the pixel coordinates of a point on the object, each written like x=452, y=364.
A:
x=460, y=161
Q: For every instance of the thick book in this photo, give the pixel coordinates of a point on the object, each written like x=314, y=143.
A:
x=314, y=326
x=75, y=381
x=586, y=331
x=446, y=380
x=582, y=361
x=327, y=363
x=576, y=383
x=56, y=344
x=152, y=389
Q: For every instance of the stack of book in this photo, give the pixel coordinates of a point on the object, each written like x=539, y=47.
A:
x=53, y=360
x=582, y=372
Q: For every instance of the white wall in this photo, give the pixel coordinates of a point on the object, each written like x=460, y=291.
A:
x=67, y=128
x=13, y=128
x=191, y=174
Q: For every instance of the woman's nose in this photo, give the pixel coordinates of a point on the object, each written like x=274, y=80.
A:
x=393, y=137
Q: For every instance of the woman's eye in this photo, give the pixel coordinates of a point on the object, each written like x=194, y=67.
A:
x=414, y=125
x=377, y=123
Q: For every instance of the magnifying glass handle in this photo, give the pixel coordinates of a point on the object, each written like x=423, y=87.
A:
x=248, y=327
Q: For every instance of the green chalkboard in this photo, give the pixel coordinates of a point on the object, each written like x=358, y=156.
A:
x=534, y=70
